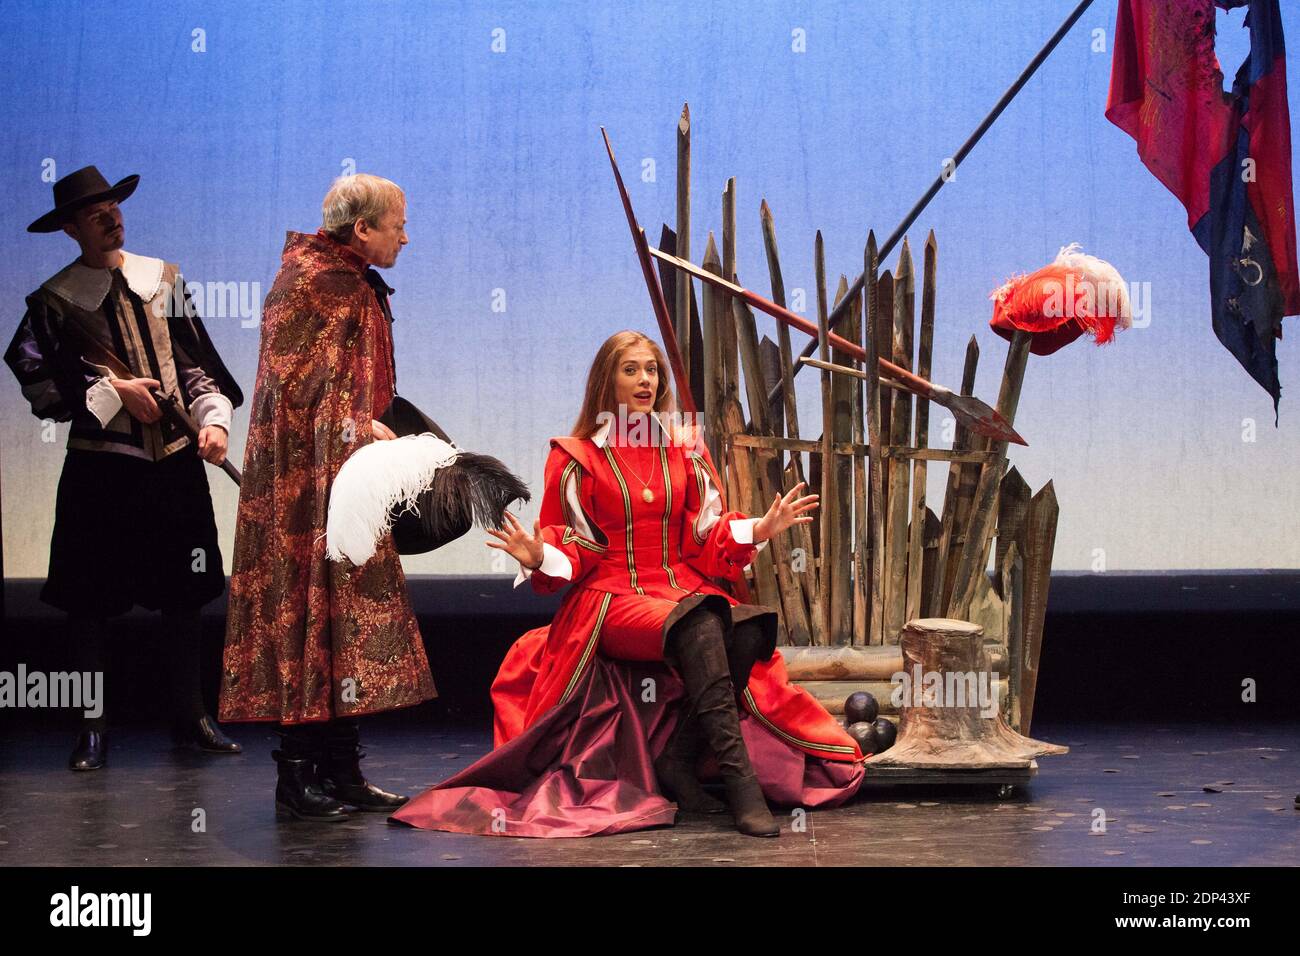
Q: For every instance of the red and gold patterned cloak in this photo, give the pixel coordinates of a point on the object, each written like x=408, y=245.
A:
x=308, y=639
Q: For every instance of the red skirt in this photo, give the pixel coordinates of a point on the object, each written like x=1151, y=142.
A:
x=585, y=766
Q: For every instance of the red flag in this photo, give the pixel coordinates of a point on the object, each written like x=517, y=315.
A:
x=1227, y=157
x=1166, y=91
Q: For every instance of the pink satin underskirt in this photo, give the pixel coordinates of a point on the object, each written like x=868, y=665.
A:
x=586, y=768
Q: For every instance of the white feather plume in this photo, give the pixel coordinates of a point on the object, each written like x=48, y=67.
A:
x=1108, y=285
x=373, y=480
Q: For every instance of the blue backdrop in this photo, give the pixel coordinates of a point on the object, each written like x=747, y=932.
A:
x=238, y=115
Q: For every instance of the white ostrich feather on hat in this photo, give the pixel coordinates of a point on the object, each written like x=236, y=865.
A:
x=1108, y=284
x=371, y=482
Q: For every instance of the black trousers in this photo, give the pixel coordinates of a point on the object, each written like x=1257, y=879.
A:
x=129, y=531
x=313, y=741
x=89, y=637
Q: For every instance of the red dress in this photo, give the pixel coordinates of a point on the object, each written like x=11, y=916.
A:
x=585, y=704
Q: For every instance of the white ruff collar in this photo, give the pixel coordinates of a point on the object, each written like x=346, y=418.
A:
x=85, y=287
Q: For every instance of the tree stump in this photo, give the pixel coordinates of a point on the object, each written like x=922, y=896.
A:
x=951, y=718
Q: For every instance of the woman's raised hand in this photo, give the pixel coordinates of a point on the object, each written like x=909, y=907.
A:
x=785, y=511
x=519, y=544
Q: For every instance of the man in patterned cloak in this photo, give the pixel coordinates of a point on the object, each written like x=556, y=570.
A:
x=312, y=643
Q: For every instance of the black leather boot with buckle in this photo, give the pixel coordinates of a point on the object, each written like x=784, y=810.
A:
x=340, y=771
x=298, y=794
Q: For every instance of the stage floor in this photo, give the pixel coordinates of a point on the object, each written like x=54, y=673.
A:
x=1149, y=781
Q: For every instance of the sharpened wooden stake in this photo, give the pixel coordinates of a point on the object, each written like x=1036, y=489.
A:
x=841, y=506
x=953, y=511
x=876, y=621
x=782, y=330
x=683, y=289
x=715, y=391
x=1040, y=535
x=825, y=518
x=974, y=554
x=899, y=469
x=916, y=532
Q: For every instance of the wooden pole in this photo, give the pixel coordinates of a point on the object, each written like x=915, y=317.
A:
x=803, y=539
x=782, y=591
x=861, y=493
x=827, y=518
x=952, y=518
x=714, y=384
x=841, y=428
x=876, y=511
x=916, y=533
x=899, y=468
x=728, y=326
x=666, y=330
x=1040, y=536
x=782, y=330
x=973, y=553
x=683, y=288
x=962, y=152
x=694, y=360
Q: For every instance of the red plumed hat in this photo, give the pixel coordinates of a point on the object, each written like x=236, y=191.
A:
x=1075, y=294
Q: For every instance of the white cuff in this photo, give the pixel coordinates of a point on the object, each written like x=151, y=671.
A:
x=555, y=564
x=212, y=408
x=103, y=401
x=742, y=532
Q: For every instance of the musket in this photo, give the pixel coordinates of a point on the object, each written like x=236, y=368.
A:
x=168, y=404
x=855, y=291
x=657, y=301
x=966, y=409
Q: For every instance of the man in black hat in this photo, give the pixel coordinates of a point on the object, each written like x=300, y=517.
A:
x=101, y=339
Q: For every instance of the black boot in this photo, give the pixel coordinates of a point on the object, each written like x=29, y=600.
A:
x=204, y=734
x=698, y=642
x=675, y=768
x=750, y=641
x=88, y=636
x=299, y=795
x=340, y=771
x=91, y=751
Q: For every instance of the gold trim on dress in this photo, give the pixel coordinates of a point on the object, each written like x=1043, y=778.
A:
x=668, y=510
x=627, y=514
x=587, y=651
x=807, y=744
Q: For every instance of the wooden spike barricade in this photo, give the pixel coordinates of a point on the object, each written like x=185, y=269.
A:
x=879, y=554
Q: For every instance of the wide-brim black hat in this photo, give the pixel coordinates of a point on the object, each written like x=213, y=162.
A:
x=82, y=188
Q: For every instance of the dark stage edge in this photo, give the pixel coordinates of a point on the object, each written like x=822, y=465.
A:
x=1121, y=646
x=138, y=811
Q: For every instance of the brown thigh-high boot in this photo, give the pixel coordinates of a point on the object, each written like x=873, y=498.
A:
x=701, y=654
x=675, y=767
x=750, y=641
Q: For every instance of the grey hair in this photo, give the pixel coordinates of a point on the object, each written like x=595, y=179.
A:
x=356, y=197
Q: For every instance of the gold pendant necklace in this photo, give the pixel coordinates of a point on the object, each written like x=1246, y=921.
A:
x=647, y=495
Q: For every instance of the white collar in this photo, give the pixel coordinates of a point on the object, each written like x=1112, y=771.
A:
x=600, y=437
x=85, y=286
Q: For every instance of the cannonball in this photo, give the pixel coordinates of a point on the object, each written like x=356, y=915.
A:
x=860, y=706
x=865, y=735
x=886, y=732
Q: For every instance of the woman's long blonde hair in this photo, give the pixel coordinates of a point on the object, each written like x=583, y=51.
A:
x=599, y=396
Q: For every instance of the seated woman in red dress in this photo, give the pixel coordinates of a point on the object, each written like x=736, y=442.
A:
x=648, y=663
